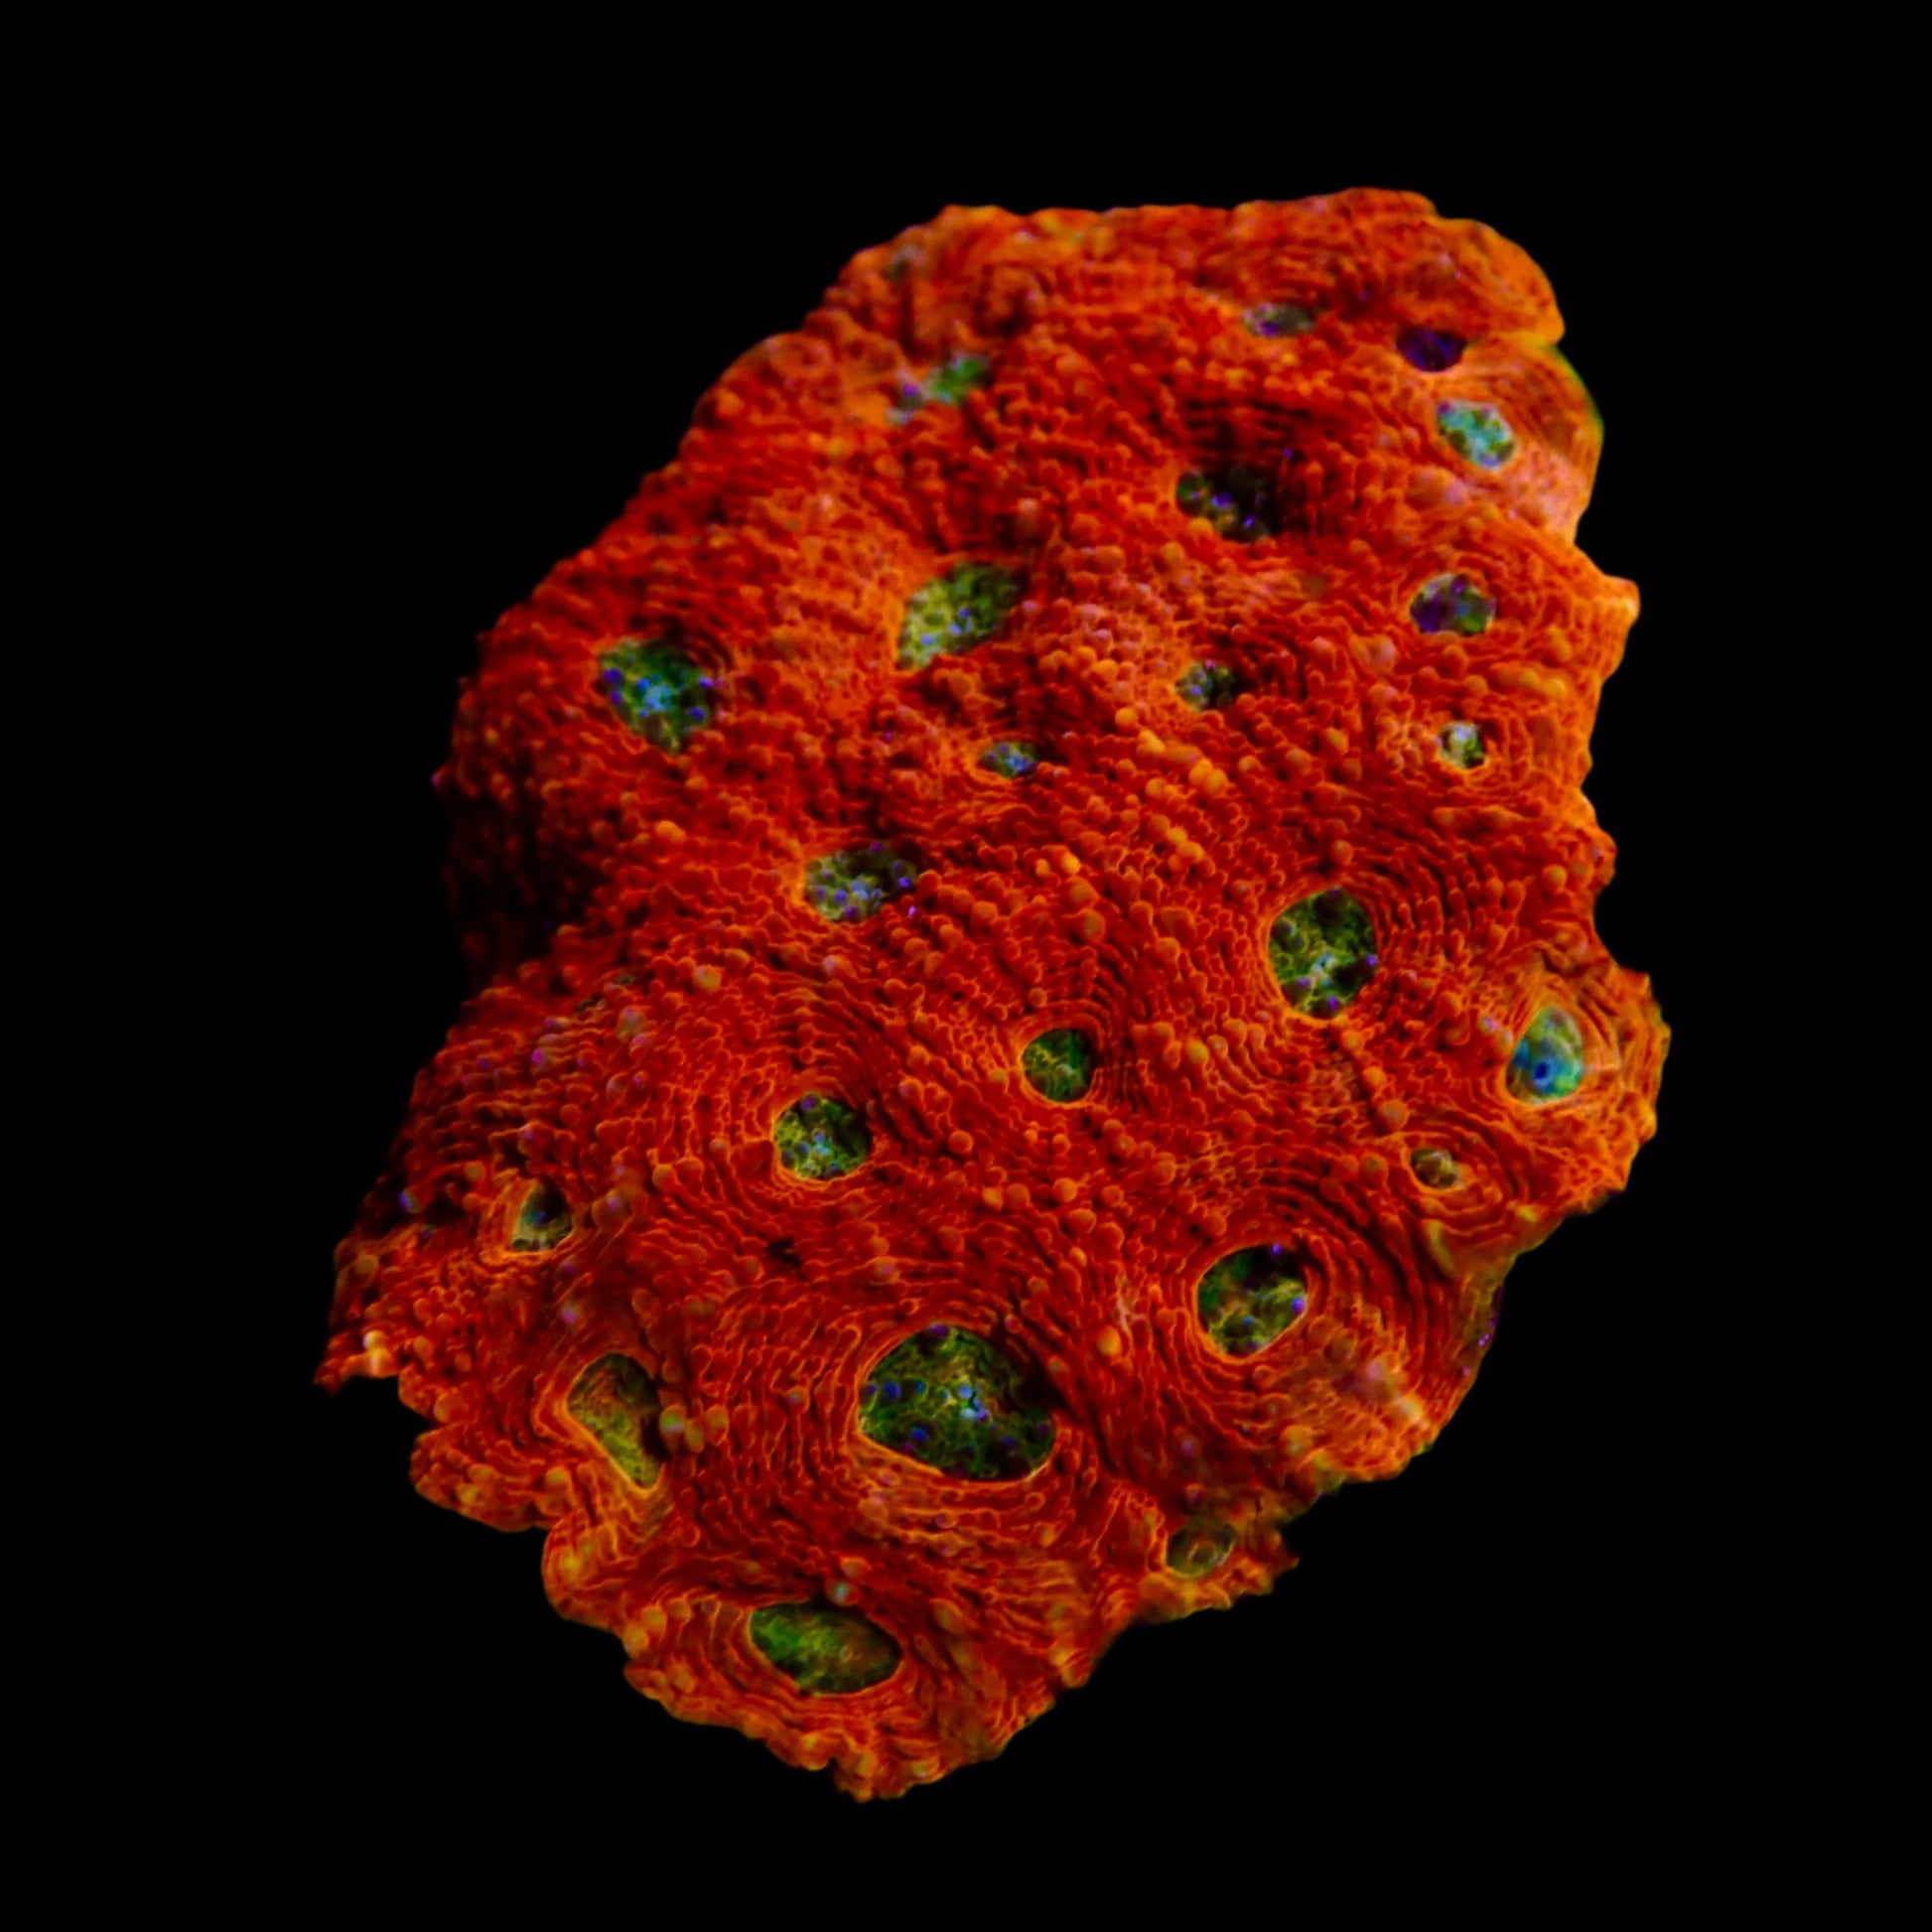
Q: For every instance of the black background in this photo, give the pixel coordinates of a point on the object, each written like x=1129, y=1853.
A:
x=1554, y=1625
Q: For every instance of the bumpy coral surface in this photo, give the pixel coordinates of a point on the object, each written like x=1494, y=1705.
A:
x=1032, y=905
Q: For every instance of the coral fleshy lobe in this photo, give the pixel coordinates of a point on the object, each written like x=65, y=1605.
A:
x=1041, y=863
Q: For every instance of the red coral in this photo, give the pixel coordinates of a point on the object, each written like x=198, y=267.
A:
x=1161, y=631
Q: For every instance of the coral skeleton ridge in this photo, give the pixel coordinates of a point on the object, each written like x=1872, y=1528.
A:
x=1032, y=902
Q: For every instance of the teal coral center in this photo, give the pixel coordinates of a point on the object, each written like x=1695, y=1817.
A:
x=1477, y=433
x=1548, y=1063
x=658, y=690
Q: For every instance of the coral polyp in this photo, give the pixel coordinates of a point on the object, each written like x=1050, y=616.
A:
x=1031, y=908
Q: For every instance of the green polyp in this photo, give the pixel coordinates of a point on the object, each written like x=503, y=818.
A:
x=955, y=611
x=956, y=377
x=824, y=1651
x=618, y=1403
x=1452, y=602
x=1461, y=745
x=1207, y=686
x=1278, y=319
x=1239, y=502
x=658, y=690
x=949, y=1399
x=1058, y=1064
x=1248, y=1298
x=1477, y=433
x=1199, y=1546
x=950, y=383
x=1434, y=1166
x=1011, y=758
x=1323, y=951
x=855, y=883
x=543, y=1219
x=820, y=1138
x=1548, y=1063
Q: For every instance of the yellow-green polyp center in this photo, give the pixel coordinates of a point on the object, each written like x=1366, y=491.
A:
x=1058, y=1065
x=826, y=1652
x=852, y=884
x=618, y=1403
x=949, y=1399
x=955, y=611
x=542, y=1219
x=1323, y=951
x=820, y=1139
x=1199, y=1546
x=1248, y=1298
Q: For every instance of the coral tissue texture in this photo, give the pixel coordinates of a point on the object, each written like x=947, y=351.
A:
x=1032, y=909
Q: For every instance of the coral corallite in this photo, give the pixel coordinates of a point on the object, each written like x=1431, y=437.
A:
x=1032, y=909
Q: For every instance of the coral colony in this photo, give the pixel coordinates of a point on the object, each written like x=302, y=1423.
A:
x=1033, y=904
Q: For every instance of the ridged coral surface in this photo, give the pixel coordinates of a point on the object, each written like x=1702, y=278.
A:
x=1033, y=904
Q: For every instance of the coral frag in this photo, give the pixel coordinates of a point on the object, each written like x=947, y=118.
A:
x=1032, y=905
